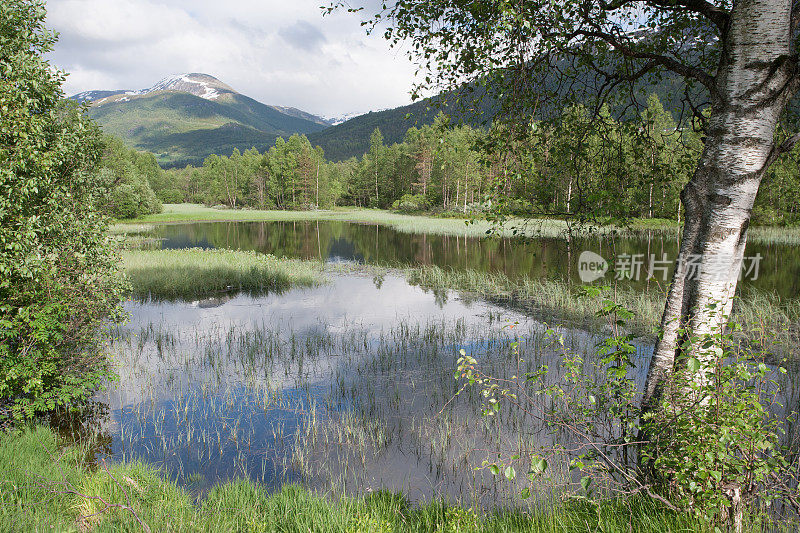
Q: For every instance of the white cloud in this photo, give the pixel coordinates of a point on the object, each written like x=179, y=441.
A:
x=279, y=52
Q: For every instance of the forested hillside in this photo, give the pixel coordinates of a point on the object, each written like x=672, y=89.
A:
x=184, y=119
x=473, y=106
x=608, y=168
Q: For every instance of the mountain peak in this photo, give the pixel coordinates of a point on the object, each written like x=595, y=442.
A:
x=198, y=84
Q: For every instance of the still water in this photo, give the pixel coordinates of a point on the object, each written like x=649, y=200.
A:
x=647, y=259
x=349, y=386
x=344, y=387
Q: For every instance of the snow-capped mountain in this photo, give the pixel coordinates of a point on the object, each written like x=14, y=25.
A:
x=91, y=96
x=185, y=117
x=202, y=85
x=335, y=121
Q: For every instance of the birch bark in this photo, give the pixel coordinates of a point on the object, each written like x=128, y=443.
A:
x=755, y=79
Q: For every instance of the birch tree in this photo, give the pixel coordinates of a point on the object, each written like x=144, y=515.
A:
x=737, y=60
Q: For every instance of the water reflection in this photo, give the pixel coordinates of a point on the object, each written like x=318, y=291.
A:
x=343, y=387
x=779, y=270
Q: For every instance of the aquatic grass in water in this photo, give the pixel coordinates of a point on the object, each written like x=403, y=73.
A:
x=775, y=235
x=555, y=299
x=334, y=405
x=345, y=400
x=196, y=273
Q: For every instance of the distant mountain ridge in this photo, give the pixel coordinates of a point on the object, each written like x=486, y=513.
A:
x=185, y=118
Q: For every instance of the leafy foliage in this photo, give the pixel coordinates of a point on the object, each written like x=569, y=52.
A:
x=714, y=438
x=711, y=447
x=58, y=272
x=128, y=175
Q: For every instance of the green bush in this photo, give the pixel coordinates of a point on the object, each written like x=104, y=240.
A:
x=171, y=196
x=127, y=173
x=709, y=447
x=410, y=203
x=132, y=198
x=59, y=278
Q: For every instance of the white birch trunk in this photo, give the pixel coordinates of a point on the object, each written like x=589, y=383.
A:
x=756, y=78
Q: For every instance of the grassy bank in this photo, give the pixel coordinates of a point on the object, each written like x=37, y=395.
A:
x=404, y=223
x=559, y=300
x=47, y=487
x=175, y=213
x=196, y=273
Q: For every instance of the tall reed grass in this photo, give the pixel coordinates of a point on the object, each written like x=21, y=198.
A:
x=558, y=299
x=194, y=273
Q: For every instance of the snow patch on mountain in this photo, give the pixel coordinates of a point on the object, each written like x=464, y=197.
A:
x=202, y=85
x=341, y=119
x=90, y=96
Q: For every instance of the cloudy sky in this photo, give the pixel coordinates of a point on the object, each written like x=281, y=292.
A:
x=281, y=52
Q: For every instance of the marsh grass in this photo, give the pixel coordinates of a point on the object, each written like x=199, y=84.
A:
x=775, y=235
x=555, y=299
x=334, y=408
x=327, y=407
x=40, y=479
x=515, y=227
x=399, y=222
x=130, y=229
x=419, y=224
x=197, y=273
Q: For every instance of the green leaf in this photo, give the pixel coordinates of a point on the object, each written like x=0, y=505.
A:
x=539, y=466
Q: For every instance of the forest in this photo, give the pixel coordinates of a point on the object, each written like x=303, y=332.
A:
x=580, y=166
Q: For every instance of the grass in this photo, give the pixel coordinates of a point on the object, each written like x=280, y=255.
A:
x=399, y=222
x=775, y=235
x=194, y=273
x=47, y=486
x=130, y=229
x=558, y=299
x=176, y=213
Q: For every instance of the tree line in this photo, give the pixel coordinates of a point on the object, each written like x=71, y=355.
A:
x=581, y=165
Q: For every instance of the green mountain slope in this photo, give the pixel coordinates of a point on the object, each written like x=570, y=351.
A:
x=192, y=147
x=181, y=128
x=351, y=138
x=184, y=119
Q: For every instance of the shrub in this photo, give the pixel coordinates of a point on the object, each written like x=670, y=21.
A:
x=710, y=446
x=410, y=203
x=58, y=271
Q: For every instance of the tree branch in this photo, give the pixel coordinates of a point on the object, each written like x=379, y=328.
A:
x=780, y=149
x=684, y=70
x=719, y=17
